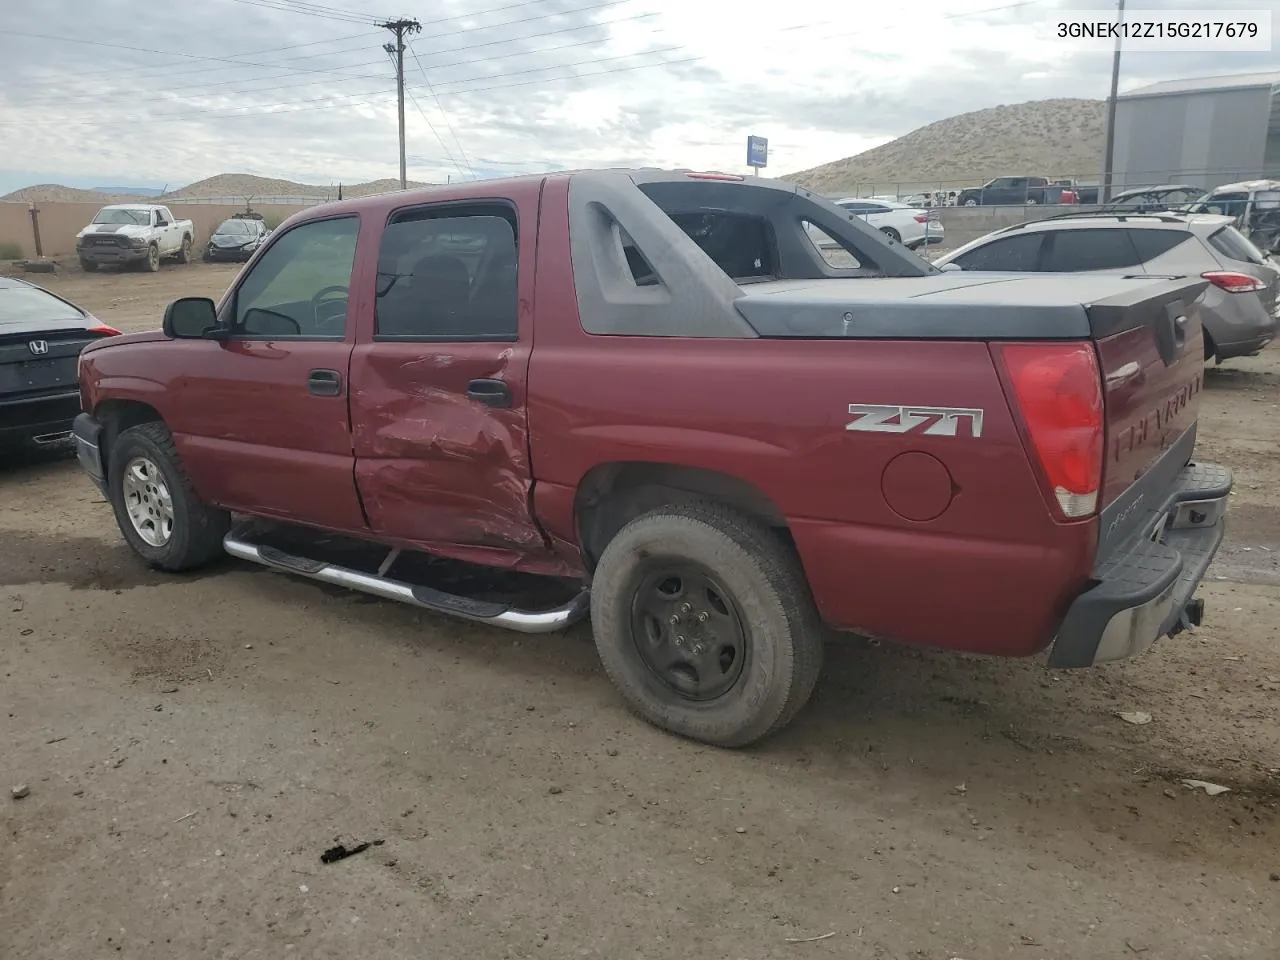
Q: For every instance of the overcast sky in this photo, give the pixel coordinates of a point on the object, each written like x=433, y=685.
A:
x=304, y=91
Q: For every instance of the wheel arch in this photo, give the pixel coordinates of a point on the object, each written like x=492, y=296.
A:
x=116, y=416
x=611, y=495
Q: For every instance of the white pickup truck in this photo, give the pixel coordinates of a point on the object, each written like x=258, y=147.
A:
x=129, y=233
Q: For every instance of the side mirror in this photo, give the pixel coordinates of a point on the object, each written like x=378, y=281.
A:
x=191, y=318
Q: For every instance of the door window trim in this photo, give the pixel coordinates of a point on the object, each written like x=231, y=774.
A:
x=228, y=314
x=477, y=207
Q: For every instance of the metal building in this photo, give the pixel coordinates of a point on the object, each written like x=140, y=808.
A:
x=1204, y=132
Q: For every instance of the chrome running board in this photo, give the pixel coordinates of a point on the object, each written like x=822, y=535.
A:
x=437, y=601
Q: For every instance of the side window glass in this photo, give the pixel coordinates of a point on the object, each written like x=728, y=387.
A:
x=1153, y=243
x=299, y=287
x=448, y=274
x=1016, y=254
x=1074, y=251
x=829, y=248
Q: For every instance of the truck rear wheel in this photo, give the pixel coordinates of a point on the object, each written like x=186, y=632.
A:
x=704, y=621
x=152, y=263
x=155, y=505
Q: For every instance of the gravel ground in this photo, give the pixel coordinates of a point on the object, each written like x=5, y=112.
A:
x=193, y=744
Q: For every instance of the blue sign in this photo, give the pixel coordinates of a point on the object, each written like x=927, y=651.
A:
x=757, y=152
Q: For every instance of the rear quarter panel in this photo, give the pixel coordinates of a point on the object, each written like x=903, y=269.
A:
x=991, y=572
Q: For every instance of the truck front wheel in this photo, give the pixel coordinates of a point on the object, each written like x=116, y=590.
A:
x=704, y=621
x=155, y=505
x=152, y=262
x=88, y=266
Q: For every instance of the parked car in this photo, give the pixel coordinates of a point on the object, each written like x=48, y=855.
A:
x=1027, y=191
x=652, y=390
x=1254, y=205
x=237, y=238
x=41, y=336
x=899, y=221
x=1084, y=193
x=1239, y=307
x=1169, y=196
x=134, y=233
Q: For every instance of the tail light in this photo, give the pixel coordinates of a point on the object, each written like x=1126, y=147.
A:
x=102, y=330
x=729, y=177
x=1058, y=389
x=921, y=218
x=1233, y=282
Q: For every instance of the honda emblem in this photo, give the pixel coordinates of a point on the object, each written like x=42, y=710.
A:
x=38, y=347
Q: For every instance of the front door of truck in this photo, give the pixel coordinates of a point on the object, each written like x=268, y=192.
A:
x=262, y=418
x=438, y=382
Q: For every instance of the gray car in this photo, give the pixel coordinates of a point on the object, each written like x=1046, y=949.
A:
x=1239, y=307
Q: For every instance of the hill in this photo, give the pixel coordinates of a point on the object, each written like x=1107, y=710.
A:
x=1053, y=138
x=232, y=187
x=241, y=185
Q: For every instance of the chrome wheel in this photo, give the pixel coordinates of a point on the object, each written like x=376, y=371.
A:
x=147, y=501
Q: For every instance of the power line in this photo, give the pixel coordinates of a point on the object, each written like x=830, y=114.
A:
x=453, y=133
x=285, y=6
x=342, y=77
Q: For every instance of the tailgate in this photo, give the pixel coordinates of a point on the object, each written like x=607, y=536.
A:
x=1151, y=354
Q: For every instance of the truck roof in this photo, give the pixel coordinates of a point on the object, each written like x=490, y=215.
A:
x=131, y=206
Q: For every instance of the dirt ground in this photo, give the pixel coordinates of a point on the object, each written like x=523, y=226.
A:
x=192, y=745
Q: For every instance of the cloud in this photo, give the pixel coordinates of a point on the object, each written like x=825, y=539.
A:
x=240, y=86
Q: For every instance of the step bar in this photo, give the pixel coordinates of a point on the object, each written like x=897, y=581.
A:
x=427, y=598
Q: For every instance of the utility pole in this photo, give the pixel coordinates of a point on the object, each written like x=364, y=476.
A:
x=400, y=28
x=1108, y=171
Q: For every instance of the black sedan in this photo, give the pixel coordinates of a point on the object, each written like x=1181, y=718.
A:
x=236, y=239
x=41, y=336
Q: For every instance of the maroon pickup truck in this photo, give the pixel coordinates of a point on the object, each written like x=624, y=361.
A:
x=651, y=396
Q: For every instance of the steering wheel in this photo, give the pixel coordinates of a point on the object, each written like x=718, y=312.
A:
x=330, y=311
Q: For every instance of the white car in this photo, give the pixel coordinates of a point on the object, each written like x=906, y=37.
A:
x=902, y=222
x=134, y=233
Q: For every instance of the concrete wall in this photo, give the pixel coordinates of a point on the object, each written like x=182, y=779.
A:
x=1204, y=139
x=60, y=222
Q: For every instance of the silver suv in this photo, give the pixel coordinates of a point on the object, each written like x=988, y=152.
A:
x=1239, y=310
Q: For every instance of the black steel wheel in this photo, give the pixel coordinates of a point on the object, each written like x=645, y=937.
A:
x=687, y=629
x=704, y=622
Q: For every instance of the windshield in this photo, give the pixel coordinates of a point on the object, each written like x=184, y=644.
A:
x=1229, y=204
x=235, y=228
x=123, y=215
x=29, y=304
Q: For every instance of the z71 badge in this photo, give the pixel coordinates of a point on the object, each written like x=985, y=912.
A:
x=932, y=421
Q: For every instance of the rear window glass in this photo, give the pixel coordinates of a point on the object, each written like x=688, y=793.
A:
x=740, y=245
x=1017, y=254
x=28, y=304
x=1075, y=251
x=1230, y=242
x=1154, y=243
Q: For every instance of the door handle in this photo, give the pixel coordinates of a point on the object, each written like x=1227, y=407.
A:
x=324, y=383
x=492, y=393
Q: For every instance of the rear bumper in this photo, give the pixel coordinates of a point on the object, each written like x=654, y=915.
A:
x=87, y=433
x=1143, y=590
x=43, y=419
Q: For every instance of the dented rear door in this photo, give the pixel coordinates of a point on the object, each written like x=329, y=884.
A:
x=438, y=400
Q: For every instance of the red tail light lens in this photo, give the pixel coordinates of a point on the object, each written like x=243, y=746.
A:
x=1233, y=282
x=1059, y=393
x=102, y=330
x=921, y=218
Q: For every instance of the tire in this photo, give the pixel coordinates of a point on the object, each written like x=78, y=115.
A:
x=971, y=202
x=184, y=252
x=891, y=233
x=763, y=599
x=195, y=529
x=1032, y=201
x=152, y=263
x=89, y=266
